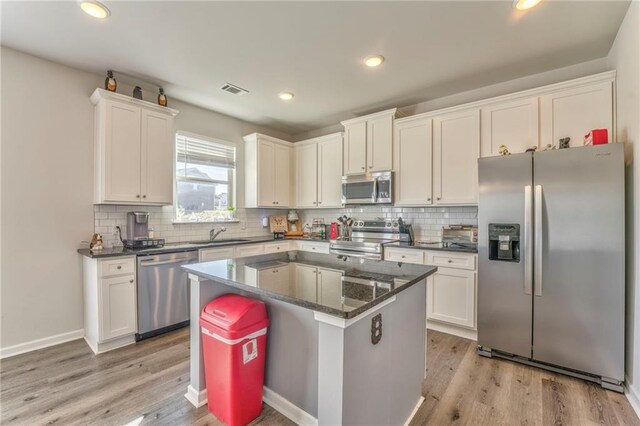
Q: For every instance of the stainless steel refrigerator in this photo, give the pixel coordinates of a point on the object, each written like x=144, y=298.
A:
x=551, y=266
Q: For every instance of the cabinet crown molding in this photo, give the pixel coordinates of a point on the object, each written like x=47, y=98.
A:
x=319, y=139
x=536, y=91
x=255, y=136
x=392, y=111
x=101, y=94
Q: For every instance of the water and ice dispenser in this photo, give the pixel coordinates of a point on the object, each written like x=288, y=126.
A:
x=504, y=242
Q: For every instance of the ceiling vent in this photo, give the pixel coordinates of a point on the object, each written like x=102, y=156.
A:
x=234, y=90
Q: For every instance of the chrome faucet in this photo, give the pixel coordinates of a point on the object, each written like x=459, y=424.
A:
x=213, y=233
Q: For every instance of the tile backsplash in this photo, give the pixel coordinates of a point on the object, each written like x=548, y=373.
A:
x=161, y=219
x=427, y=221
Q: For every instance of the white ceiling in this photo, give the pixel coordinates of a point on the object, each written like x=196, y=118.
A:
x=315, y=49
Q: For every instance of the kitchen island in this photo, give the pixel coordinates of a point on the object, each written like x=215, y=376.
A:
x=346, y=341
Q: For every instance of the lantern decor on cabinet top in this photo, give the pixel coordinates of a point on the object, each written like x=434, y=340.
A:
x=564, y=143
x=137, y=92
x=503, y=150
x=110, y=83
x=162, y=98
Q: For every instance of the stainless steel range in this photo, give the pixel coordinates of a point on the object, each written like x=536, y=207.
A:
x=369, y=236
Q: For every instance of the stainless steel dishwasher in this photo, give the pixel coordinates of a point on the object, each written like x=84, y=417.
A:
x=163, y=293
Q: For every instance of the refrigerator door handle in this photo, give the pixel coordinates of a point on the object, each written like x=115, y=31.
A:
x=528, y=243
x=537, y=273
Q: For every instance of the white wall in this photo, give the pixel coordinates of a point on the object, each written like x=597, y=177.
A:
x=625, y=58
x=529, y=82
x=47, y=189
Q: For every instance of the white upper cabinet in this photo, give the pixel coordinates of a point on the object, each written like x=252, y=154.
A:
x=319, y=172
x=330, y=172
x=575, y=112
x=133, y=150
x=510, y=123
x=368, y=143
x=456, y=147
x=412, y=154
x=307, y=176
x=267, y=172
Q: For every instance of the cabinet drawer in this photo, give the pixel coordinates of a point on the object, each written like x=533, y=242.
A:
x=208, y=255
x=405, y=256
x=278, y=247
x=119, y=266
x=313, y=247
x=452, y=260
x=249, y=250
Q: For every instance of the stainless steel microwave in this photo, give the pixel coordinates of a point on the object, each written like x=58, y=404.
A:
x=369, y=188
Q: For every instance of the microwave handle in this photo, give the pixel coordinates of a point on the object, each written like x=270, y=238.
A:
x=374, y=194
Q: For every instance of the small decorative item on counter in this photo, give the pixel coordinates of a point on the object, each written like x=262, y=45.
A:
x=279, y=226
x=294, y=224
x=162, y=98
x=564, y=143
x=503, y=150
x=333, y=232
x=532, y=149
x=110, y=83
x=137, y=92
x=596, y=137
x=96, y=242
x=549, y=147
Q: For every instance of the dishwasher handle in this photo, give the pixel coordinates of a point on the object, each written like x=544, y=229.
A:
x=165, y=262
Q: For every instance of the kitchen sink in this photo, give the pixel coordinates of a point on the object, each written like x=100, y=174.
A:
x=219, y=241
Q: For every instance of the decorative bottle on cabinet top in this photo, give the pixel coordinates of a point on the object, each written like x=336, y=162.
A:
x=162, y=98
x=110, y=83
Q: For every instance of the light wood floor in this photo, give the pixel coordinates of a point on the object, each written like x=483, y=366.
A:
x=67, y=384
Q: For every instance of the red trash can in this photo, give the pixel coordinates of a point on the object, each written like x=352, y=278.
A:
x=234, y=341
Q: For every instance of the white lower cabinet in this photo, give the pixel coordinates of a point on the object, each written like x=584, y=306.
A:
x=330, y=288
x=451, y=297
x=306, y=282
x=118, y=306
x=110, y=302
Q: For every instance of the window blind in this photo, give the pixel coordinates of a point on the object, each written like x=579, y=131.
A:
x=206, y=153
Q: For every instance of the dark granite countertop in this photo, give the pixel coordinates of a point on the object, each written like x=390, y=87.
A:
x=433, y=246
x=184, y=246
x=363, y=285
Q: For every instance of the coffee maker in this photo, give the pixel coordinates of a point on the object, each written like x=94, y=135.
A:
x=138, y=232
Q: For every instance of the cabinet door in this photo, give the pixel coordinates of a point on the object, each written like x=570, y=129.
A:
x=330, y=288
x=208, y=255
x=118, y=306
x=282, y=183
x=306, y=282
x=456, y=145
x=413, y=148
x=575, y=112
x=307, y=176
x=157, y=158
x=330, y=173
x=275, y=279
x=355, y=148
x=380, y=144
x=514, y=124
x=122, y=153
x=451, y=297
x=266, y=174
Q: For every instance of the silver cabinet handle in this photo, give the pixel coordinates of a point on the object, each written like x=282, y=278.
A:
x=537, y=273
x=119, y=267
x=449, y=261
x=438, y=198
x=428, y=199
x=137, y=195
x=371, y=167
x=528, y=253
x=144, y=196
x=130, y=281
x=319, y=202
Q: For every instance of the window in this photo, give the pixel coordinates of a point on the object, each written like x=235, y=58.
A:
x=205, y=171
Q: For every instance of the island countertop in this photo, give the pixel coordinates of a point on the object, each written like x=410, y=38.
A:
x=362, y=285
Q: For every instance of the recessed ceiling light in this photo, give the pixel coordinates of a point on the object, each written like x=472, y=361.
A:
x=286, y=96
x=373, y=61
x=95, y=8
x=525, y=4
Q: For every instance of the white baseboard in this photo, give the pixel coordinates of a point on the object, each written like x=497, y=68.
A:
x=633, y=396
x=452, y=329
x=109, y=345
x=415, y=410
x=45, y=342
x=286, y=408
x=198, y=399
